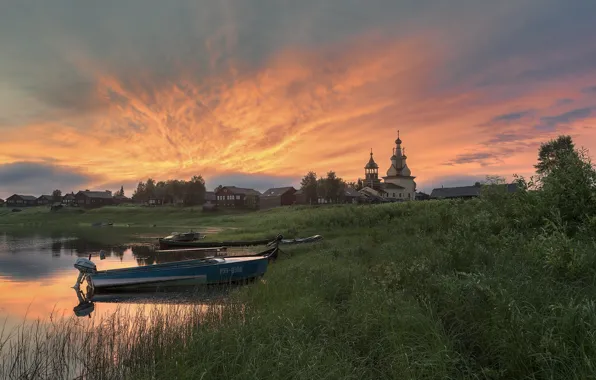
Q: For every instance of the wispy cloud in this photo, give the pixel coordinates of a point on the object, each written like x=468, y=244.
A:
x=273, y=89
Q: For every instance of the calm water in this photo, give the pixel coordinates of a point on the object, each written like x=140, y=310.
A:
x=37, y=275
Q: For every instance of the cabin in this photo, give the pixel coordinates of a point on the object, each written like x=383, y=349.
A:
x=93, y=199
x=210, y=201
x=351, y=195
x=278, y=196
x=17, y=200
x=467, y=192
x=68, y=199
x=43, y=200
x=121, y=199
x=422, y=196
x=237, y=197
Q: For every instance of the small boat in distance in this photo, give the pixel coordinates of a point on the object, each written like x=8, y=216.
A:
x=166, y=244
x=184, y=236
x=204, y=271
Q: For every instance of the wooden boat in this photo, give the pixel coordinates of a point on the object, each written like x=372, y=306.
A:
x=165, y=244
x=310, y=239
x=184, y=236
x=204, y=271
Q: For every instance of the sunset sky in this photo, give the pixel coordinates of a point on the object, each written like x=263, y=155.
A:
x=258, y=92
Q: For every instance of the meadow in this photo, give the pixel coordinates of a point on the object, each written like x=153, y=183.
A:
x=499, y=287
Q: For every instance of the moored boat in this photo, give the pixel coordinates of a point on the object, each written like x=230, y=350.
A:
x=204, y=271
x=165, y=244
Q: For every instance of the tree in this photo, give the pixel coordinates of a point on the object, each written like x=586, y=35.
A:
x=57, y=195
x=308, y=185
x=550, y=154
x=195, y=191
x=120, y=193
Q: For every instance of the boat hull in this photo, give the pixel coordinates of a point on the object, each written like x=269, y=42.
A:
x=172, y=244
x=181, y=273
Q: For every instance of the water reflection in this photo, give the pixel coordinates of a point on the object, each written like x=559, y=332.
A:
x=87, y=299
x=37, y=274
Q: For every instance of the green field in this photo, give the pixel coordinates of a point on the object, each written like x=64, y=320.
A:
x=499, y=287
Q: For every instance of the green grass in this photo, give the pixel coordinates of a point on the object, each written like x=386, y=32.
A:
x=493, y=288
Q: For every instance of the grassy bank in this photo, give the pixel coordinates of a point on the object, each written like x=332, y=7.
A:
x=493, y=288
x=500, y=287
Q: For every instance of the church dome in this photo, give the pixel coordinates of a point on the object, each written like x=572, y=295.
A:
x=398, y=141
x=371, y=163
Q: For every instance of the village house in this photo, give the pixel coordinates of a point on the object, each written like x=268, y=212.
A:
x=92, y=199
x=352, y=195
x=43, y=200
x=210, y=203
x=278, y=196
x=121, y=199
x=17, y=200
x=467, y=192
x=237, y=197
x=68, y=199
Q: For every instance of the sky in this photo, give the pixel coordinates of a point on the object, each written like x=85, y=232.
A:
x=256, y=93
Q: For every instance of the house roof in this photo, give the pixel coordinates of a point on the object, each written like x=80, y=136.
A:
x=68, y=196
x=278, y=191
x=465, y=191
x=241, y=190
x=351, y=192
x=388, y=185
x=48, y=197
x=24, y=197
x=96, y=194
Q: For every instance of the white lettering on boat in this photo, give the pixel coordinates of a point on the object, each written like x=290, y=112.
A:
x=231, y=270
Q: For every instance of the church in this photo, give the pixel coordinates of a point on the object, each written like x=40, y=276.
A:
x=398, y=184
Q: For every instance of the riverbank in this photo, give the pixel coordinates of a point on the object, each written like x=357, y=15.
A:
x=498, y=287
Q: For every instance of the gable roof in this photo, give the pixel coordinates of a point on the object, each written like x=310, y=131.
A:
x=466, y=191
x=388, y=185
x=68, y=196
x=241, y=190
x=48, y=197
x=24, y=197
x=351, y=192
x=278, y=191
x=96, y=194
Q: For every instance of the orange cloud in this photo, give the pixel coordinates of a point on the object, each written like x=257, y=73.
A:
x=319, y=109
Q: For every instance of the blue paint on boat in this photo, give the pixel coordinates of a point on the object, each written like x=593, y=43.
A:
x=206, y=271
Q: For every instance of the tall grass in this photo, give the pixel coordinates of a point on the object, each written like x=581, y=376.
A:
x=112, y=347
x=501, y=287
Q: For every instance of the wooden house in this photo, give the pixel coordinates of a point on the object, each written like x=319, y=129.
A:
x=210, y=203
x=17, y=200
x=68, y=199
x=237, y=197
x=468, y=192
x=121, y=199
x=92, y=199
x=278, y=196
x=44, y=200
x=352, y=195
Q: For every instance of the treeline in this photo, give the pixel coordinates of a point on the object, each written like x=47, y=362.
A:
x=172, y=191
x=330, y=188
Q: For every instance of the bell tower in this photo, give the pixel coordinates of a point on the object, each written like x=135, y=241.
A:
x=371, y=174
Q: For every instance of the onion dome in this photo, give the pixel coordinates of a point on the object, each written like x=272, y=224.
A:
x=371, y=162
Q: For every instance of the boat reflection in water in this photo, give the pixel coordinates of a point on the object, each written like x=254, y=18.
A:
x=173, y=296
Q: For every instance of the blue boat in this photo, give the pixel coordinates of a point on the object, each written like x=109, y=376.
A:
x=204, y=271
